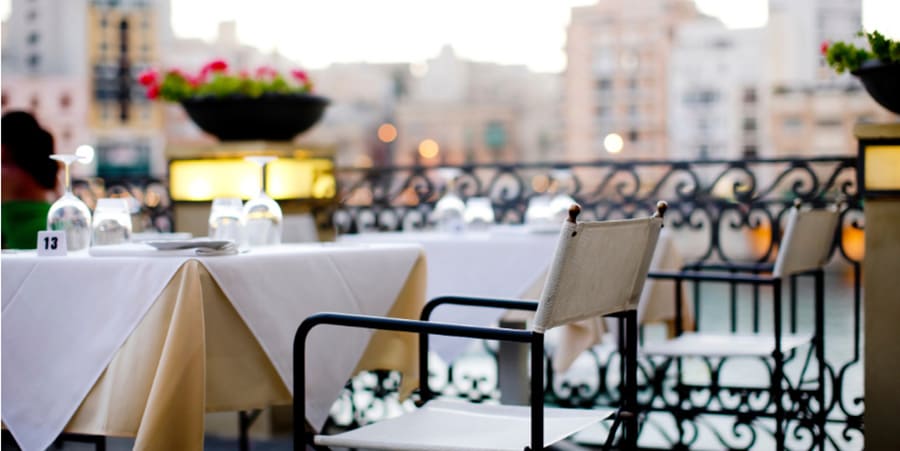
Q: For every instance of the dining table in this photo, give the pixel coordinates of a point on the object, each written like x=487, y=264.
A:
x=139, y=342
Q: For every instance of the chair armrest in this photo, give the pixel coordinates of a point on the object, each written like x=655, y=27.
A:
x=742, y=267
x=509, y=304
x=408, y=325
x=423, y=328
x=700, y=276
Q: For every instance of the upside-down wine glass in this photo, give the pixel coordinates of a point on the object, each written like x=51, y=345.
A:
x=450, y=209
x=69, y=213
x=262, y=216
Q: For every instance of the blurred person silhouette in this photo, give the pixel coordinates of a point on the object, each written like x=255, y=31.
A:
x=29, y=180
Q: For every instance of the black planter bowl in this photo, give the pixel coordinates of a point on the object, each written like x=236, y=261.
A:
x=267, y=118
x=882, y=82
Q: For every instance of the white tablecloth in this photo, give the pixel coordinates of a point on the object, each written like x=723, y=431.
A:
x=63, y=318
x=504, y=262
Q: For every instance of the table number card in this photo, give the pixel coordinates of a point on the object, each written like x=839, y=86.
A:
x=51, y=243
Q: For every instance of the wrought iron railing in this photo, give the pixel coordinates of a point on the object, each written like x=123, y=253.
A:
x=728, y=211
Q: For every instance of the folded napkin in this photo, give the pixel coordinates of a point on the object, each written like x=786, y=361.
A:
x=195, y=249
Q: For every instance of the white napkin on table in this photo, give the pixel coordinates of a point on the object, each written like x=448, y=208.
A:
x=145, y=250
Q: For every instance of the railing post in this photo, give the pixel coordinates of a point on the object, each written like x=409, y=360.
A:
x=879, y=177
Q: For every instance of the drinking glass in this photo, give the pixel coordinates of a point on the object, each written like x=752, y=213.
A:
x=225, y=219
x=449, y=211
x=538, y=212
x=479, y=213
x=262, y=216
x=112, y=222
x=69, y=213
x=560, y=203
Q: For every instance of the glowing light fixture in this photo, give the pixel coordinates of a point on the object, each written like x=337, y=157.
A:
x=613, y=143
x=85, y=154
x=881, y=169
x=429, y=148
x=286, y=178
x=387, y=133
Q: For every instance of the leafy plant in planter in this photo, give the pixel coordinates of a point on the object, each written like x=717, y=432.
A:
x=215, y=80
x=877, y=67
x=842, y=56
x=262, y=105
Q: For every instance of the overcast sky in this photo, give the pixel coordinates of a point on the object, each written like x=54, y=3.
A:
x=316, y=33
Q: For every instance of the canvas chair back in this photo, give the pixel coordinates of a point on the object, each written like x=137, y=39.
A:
x=806, y=243
x=599, y=268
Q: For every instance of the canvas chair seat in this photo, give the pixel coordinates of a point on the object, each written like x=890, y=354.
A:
x=467, y=426
x=692, y=344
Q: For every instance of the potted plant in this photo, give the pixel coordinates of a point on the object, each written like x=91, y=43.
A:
x=237, y=106
x=877, y=67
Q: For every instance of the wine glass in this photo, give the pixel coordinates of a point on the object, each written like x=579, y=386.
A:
x=560, y=203
x=479, y=214
x=262, y=216
x=449, y=210
x=69, y=213
x=112, y=222
x=225, y=219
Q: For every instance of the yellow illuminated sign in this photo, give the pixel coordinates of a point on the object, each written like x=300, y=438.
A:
x=882, y=168
x=286, y=178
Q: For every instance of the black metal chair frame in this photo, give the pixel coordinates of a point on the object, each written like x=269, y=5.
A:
x=626, y=414
x=799, y=396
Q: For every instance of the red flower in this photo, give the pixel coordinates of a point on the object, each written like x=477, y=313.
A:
x=300, y=75
x=218, y=65
x=824, y=48
x=148, y=77
x=152, y=91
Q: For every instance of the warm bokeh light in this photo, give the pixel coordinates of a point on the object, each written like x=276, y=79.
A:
x=363, y=161
x=429, y=148
x=540, y=183
x=613, y=143
x=85, y=154
x=387, y=133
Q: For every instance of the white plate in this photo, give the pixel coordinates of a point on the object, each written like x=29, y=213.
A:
x=168, y=245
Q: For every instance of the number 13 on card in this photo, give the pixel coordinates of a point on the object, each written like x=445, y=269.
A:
x=51, y=243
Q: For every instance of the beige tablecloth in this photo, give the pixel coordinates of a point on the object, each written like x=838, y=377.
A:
x=192, y=353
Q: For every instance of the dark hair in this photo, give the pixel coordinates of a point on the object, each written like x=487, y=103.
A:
x=30, y=147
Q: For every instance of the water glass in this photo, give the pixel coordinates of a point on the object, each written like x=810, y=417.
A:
x=479, y=213
x=449, y=213
x=112, y=222
x=538, y=212
x=559, y=207
x=225, y=219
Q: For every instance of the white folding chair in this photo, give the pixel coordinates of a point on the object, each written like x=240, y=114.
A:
x=599, y=268
x=804, y=249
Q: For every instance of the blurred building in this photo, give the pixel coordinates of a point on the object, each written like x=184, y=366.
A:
x=811, y=109
x=678, y=85
x=473, y=111
x=717, y=89
x=617, y=77
x=478, y=112
x=797, y=28
x=74, y=64
x=817, y=119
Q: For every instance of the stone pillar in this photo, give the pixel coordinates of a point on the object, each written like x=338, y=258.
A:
x=879, y=164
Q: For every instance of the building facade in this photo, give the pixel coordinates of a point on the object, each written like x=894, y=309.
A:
x=617, y=76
